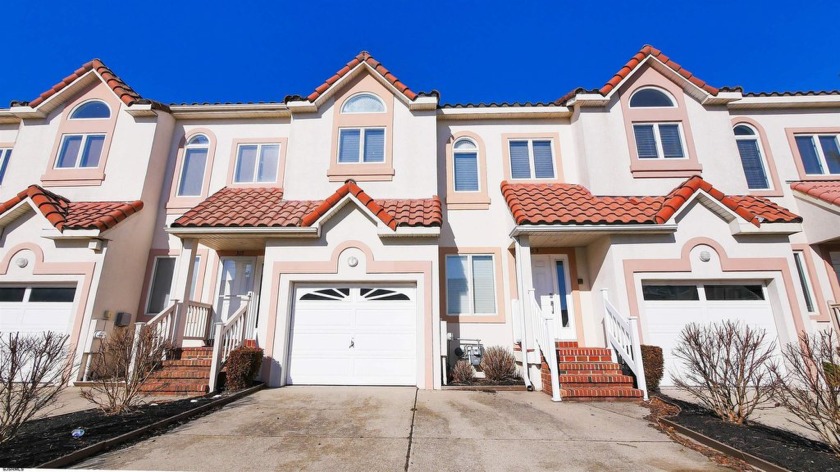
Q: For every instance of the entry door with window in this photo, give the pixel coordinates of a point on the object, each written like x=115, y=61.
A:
x=238, y=276
x=553, y=291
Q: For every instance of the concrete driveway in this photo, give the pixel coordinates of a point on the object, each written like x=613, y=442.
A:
x=392, y=429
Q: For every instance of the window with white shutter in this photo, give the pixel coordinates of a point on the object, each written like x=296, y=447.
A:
x=531, y=159
x=470, y=284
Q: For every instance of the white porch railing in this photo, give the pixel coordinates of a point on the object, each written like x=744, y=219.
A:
x=198, y=322
x=542, y=327
x=623, y=337
x=163, y=324
x=227, y=337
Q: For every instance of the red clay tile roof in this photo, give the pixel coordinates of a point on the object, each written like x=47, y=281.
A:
x=365, y=57
x=126, y=93
x=64, y=214
x=826, y=190
x=649, y=50
x=574, y=204
x=265, y=207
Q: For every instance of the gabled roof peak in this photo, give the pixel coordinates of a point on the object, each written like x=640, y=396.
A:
x=125, y=93
x=366, y=58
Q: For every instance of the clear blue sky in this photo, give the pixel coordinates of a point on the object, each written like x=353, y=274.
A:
x=471, y=51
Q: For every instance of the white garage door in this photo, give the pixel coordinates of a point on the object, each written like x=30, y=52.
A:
x=346, y=335
x=34, y=309
x=668, y=307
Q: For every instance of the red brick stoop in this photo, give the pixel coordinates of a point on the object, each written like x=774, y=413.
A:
x=186, y=373
x=588, y=374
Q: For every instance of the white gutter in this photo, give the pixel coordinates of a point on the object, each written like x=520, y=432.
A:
x=630, y=228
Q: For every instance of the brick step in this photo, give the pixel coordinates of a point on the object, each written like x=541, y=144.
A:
x=600, y=392
x=565, y=344
x=566, y=379
x=593, y=366
x=174, y=387
x=584, y=351
x=186, y=363
x=183, y=373
x=196, y=353
x=583, y=358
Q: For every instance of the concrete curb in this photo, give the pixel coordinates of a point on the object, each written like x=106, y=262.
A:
x=94, y=449
x=486, y=388
x=750, y=459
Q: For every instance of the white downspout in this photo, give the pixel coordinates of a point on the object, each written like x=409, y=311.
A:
x=522, y=294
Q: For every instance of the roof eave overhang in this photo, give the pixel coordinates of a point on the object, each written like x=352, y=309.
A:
x=411, y=232
x=528, y=229
x=262, y=232
x=816, y=201
x=740, y=227
x=815, y=101
x=70, y=234
x=504, y=113
x=211, y=111
x=55, y=100
x=7, y=116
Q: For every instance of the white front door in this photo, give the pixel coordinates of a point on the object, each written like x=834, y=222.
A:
x=237, y=278
x=354, y=335
x=553, y=291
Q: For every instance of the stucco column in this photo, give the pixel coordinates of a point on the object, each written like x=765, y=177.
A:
x=183, y=284
x=524, y=283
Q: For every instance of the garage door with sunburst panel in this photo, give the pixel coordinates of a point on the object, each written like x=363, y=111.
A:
x=354, y=335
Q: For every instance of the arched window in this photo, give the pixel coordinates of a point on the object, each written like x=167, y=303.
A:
x=649, y=98
x=751, y=158
x=92, y=110
x=363, y=103
x=465, y=157
x=191, y=180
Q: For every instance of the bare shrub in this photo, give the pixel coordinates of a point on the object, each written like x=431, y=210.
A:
x=654, y=364
x=809, y=386
x=121, y=365
x=498, y=364
x=34, y=370
x=242, y=367
x=463, y=373
x=727, y=368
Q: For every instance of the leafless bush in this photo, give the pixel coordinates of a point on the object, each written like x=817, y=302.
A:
x=463, y=373
x=727, y=367
x=809, y=387
x=498, y=364
x=121, y=365
x=34, y=369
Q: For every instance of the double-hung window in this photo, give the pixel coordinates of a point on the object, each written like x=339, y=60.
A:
x=5, y=155
x=79, y=151
x=191, y=180
x=658, y=140
x=820, y=153
x=256, y=163
x=470, y=284
x=361, y=145
x=751, y=159
x=465, y=164
x=531, y=159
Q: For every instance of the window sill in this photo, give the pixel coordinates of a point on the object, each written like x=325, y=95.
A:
x=360, y=172
x=73, y=177
x=654, y=168
x=468, y=202
x=766, y=193
x=819, y=177
x=178, y=205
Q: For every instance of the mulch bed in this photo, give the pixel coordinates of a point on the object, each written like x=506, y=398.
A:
x=45, y=439
x=779, y=447
x=485, y=385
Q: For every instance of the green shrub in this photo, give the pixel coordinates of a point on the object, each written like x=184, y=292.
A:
x=498, y=364
x=242, y=366
x=654, y=365
x=463, y=373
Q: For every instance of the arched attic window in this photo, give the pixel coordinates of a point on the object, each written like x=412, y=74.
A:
x=92, y=110
x=465, y=164
x=363, y=103
x=752, y=159
x=192, y=170
x=650, y=98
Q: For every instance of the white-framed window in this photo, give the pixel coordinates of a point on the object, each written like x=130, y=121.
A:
x=659, y=140
x=361, y=145
x=651, y=97
x=752, y=159
x=79, y=151
x=256, y=163
x=91, y=110
x=531, y=159
x=804, y=280
x=5, y=156
x=470, y=284
x=363, y=103
x=820, y=153
x=191, y=180
x=465, y=165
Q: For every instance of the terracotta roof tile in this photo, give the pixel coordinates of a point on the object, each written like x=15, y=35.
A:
x=126, y=93
x=646, y=51
x=574, y=204
x=64, y=214
x=826, y=190
x=365, y=57
x=265, y=207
